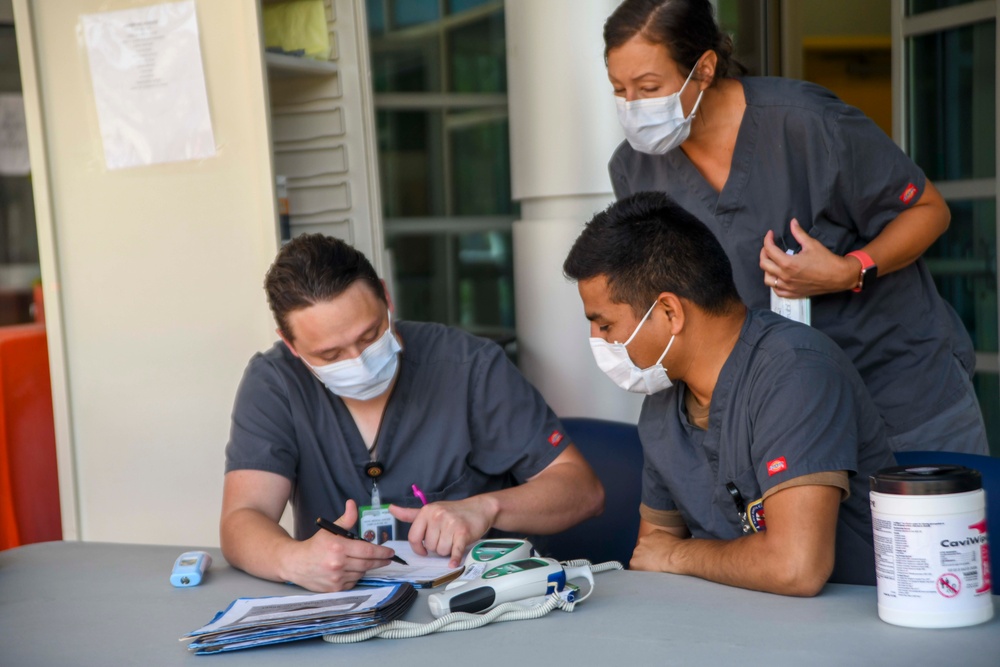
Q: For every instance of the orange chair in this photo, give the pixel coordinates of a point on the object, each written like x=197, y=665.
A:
x=29, y=483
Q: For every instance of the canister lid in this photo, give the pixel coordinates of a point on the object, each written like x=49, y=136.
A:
x=926, y=480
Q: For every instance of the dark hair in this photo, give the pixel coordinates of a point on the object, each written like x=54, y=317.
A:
x=312, y=268
x=647, y=244
x=686, y=27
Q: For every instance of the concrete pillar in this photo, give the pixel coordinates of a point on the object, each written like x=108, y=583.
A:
x=563, y=130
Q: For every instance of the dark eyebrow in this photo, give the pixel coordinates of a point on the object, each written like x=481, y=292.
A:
x=366, y=332
x=593, y=317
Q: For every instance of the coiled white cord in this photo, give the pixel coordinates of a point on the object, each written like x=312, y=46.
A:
x=459, y=620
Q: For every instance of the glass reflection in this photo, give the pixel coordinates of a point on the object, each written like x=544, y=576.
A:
x=953, y=102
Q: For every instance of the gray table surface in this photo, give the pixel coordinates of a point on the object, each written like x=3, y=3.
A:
x=73, y=603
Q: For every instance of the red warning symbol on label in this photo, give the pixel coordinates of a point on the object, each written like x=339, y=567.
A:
x=949, y=585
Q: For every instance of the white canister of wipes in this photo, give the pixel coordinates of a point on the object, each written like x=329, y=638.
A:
x=931, y=547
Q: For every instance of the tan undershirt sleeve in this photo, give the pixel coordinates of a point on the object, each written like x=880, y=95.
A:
x=662, y=518
x=837, y=478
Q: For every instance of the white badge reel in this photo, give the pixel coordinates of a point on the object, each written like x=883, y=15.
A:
x=798, y=310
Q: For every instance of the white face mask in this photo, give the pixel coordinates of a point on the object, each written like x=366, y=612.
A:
x=366, y=376
x=613, y=359
x=656, y=125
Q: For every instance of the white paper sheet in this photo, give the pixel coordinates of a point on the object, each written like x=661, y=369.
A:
x=13, y=136
x=417, y=569
x=149, y=84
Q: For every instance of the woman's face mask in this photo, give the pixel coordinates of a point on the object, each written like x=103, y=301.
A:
x=613, y=359
x=657, y=125
x=366, y=376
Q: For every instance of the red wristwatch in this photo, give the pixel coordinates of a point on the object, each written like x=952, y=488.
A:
x=869, y=271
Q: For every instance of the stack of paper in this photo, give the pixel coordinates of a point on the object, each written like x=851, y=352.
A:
x=420, y=571
x=250, y=622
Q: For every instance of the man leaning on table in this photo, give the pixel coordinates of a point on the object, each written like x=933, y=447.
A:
x=758, y=434
x=350, y=406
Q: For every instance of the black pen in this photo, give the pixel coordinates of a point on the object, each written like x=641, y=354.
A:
x=343, y=532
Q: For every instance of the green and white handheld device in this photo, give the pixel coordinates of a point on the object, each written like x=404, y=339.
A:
x=486, y=554
x=508, y=582
x=497, y=552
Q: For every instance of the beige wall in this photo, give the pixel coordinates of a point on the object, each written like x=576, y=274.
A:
x=152, y=281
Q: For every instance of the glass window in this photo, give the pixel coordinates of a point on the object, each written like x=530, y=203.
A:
x=459, y=6
x=410, y=163
x=921, y=6
x=481, y=159
x=408, y=13
x=413, y=66
x=951, y=121
x=477, y=56
x=375, y=9
x=19, y=268
x=444, y=159
x=456, y=278
x=952, y=102
x=964, y=264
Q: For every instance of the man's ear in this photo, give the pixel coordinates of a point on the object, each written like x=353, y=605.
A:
x=288, y=344
x=673, y=306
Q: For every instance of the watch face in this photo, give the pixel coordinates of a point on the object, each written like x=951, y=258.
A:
x=868, y=277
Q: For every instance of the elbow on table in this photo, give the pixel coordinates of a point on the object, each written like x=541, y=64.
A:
x=804, y=577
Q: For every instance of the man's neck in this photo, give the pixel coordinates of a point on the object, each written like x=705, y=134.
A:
x=717, y=336
x=368, y=414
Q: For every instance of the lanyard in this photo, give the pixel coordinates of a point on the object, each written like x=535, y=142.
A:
x=741, y=507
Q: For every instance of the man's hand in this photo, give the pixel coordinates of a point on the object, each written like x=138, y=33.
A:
x=652, y=551
x=447, y=528
x=326, y=562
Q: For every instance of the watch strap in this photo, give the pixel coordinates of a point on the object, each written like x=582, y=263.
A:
x=866, y=263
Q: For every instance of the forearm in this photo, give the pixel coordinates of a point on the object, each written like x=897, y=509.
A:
x=561, y=497
x=255, y=543
x=749, y=562
x=794, y=556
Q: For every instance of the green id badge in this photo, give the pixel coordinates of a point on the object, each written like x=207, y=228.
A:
x=377, y=525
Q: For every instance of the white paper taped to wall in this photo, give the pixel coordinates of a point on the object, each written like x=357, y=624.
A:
x=149, y=84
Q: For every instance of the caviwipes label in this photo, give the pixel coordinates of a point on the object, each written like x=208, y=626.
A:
x=933, y=563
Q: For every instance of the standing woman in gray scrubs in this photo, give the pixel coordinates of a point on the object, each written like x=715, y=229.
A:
x=773, y=165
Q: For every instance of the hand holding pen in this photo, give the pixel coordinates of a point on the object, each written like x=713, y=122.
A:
x=326, y=524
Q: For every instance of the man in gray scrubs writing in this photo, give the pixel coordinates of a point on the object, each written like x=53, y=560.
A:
x=758, y=434
x=353, y=415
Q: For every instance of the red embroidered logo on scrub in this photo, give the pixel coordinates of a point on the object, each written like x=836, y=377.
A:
x=908, y=194
x=555, y=438
x=776, y=466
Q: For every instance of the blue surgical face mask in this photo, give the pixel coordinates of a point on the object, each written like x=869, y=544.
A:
x=366, y=376
x=613, y=359
x=657, y=125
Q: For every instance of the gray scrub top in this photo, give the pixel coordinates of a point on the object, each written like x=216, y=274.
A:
x=787, y=403
x=461, y=421
x=802, y=153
